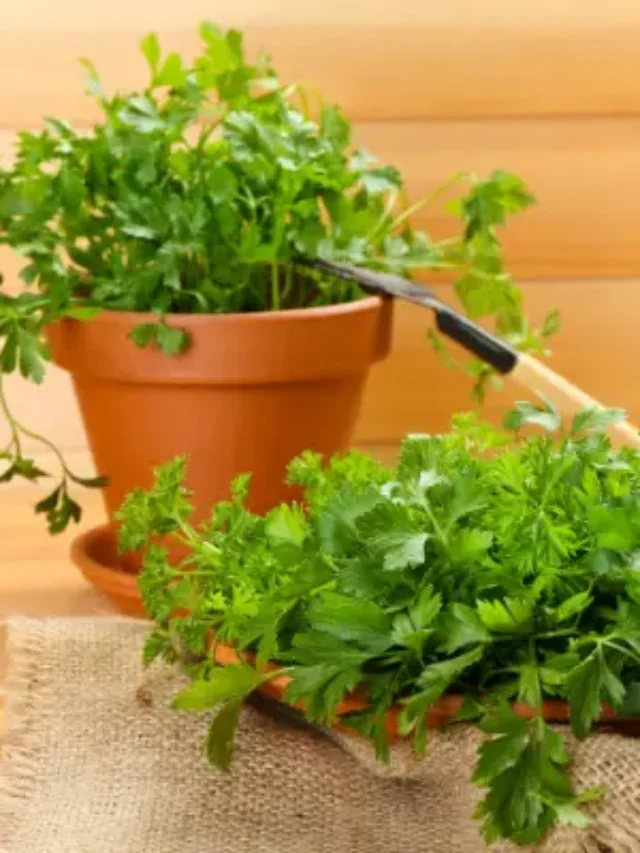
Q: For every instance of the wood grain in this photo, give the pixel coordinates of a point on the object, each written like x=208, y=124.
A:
x=403, y=60
x=585, y=174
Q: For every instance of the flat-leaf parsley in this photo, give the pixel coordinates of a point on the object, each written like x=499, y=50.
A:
x=505, y=571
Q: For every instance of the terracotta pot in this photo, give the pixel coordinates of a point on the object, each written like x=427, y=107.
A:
x=444, y=710
x=251, y=392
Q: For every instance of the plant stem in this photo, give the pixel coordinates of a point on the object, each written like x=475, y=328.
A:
x=40, y=438
x=18, y=429
x=406, y=214
x=288, y=282
x=534, y=662
x=275, y=288
x=439, y=531
x=14, y=426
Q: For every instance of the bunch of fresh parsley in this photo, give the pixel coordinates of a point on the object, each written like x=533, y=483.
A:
x=497, y=569
x=200, y=194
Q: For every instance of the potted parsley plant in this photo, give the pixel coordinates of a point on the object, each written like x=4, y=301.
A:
x=161, y=271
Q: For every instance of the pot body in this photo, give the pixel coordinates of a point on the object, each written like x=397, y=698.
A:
x=250, y=392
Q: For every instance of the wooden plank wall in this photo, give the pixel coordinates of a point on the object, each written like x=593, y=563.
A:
x=547, y=88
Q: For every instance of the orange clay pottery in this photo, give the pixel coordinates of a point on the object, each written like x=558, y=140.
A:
x=96, y=555
x=250, y=393
x=441, y=712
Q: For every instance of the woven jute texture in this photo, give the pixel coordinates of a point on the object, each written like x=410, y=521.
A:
x=94, y=761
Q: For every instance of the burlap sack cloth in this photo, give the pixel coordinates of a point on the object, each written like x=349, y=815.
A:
x=95, y=762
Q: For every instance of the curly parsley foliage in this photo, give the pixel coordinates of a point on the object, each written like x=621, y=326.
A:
x=198, y=194
x=503, y=571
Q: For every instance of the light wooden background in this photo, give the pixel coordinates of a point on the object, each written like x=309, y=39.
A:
x=547, y=88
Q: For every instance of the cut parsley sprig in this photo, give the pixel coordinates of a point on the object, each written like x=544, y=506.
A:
x=505, y=571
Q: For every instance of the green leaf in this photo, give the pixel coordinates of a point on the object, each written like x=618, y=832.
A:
x=351, y=620
x=613, y=527
x=529, y=685
x=142, y=232
x=631, y=704
x=144, y=334
x=572, y=606
x=222, y=734
x=286, y=525
x=447, y=671
x=321, y=687
x=9, y=357
x=614, y=689
x=82, y=312
x=569, y=815
x=31, y=355
x=411, y=629
x=556, y=668
x=596, y=420
x=381, y=180
x=497, y=755
x=426, y=608
x=404, y=550
x=584, y=686
x=394, y=536
x=461, y=626
x=157, y=645
x=172, y=341
x=28, y=470
x=528, y=414
x=226, y=683
x=502, y=720
x=220, y=56
x=528, y=787
x=434, y=680
x=172, y=73
x=470, y=544
x=60, y=515
x=509, y=616
x=151, y=50
x=92, y=81
x=8, y=474
x=49, y=502
x=551, y=324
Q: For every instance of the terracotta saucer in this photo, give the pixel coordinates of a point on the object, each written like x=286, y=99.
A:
x=96, y=555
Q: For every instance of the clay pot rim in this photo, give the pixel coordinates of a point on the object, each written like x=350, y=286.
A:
x=108, y=315
x=442, y=711
x=101, y=573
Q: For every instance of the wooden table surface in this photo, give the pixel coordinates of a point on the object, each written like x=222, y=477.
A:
x=37, y=577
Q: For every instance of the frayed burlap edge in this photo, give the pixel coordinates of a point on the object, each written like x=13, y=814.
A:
x=26, y=687
x=20, y=744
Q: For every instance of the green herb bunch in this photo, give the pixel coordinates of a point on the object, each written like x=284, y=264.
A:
x=200, y=194
x=502, y=571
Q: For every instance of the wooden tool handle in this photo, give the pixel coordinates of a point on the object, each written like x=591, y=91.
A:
x=568, y=399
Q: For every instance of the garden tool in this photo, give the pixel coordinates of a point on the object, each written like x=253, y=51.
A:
x=528, y=371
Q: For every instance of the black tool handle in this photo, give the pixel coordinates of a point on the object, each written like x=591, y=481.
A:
x=477, y=340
